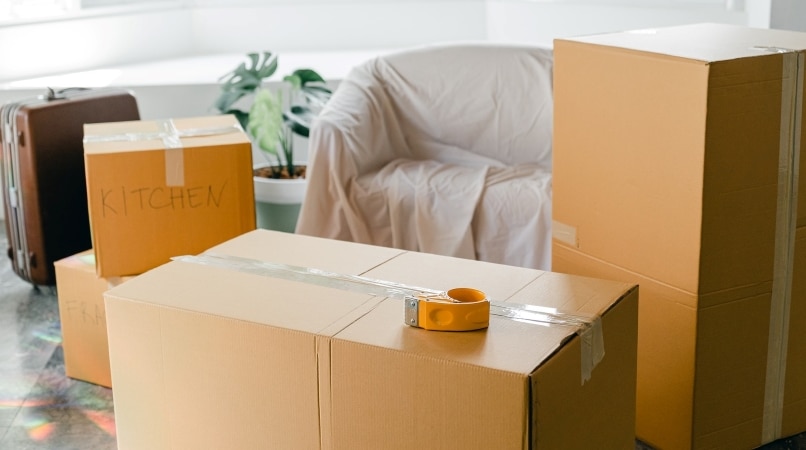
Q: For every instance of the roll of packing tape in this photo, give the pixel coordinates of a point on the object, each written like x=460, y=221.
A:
x=459, y=309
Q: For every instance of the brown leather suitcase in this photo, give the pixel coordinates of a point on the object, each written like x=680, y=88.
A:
x=44, y=186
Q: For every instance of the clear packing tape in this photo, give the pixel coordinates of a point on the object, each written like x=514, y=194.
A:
x=589, y=328
x=171, y=138
x=785, y=224
x=166, y=131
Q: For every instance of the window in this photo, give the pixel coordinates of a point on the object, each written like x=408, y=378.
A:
x=12, y=10
x=20, y=11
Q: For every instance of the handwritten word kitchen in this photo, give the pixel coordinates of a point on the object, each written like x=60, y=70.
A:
x=122, y=201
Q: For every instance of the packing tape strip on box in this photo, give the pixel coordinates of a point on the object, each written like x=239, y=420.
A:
x=785, y=224
x=589, y=328
x=171, y=138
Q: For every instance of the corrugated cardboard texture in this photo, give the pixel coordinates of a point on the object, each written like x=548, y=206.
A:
x=209, y=382
x=307, y=251
x=701, y=371
x=418, y=391
x=216, y=325
x=296, y=365
x=613, y=108
x=665, y=371
x=731, y=361
x=795, y=392
x=556, y=394
x=83, y=318
x=706, y=203
x=666, y=170
x=139, y=220
x=513, y=347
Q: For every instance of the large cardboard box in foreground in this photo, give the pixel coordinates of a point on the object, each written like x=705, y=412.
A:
x=205, y=356
x=158, y=189
x=676, y=162
x=83, y=318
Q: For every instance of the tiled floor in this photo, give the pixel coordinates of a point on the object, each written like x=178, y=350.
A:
x=40, y=408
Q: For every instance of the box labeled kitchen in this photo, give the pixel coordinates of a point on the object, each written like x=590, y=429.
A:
x=157, y=189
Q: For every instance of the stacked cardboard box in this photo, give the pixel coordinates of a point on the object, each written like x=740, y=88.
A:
x=156, y=189
x=83, y=318
x=212, y=356
x=676, y=162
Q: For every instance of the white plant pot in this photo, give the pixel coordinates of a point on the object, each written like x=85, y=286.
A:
x=277, y=202
x=280, y=192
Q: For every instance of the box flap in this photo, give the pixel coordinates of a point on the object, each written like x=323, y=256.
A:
x=426, y=270
x=705, y=42
x=572, y=294
x=306, y=251
x=177, y=284
x=508, y=345
x=113, y=137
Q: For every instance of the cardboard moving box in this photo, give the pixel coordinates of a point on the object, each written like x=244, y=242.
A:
x=157, y=189
x=83, y=318
x=246, y=360
x=676, y=162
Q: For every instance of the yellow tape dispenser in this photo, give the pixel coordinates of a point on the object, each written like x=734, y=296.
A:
x=459, y=309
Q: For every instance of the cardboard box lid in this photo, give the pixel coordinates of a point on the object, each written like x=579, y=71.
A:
x=704, y=42
x=84, y=261
x=208, y=289
x=212, y=131
x=204, y=288
x=508, y=345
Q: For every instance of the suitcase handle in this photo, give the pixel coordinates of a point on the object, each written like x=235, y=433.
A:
x=61, y=93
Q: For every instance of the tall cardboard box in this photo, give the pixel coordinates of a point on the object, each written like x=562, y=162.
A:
x=676, y=162
x=83, y=318
x=158, y=189
x=212, y=356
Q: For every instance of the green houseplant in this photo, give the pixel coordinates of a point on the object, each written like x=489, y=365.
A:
x=272, y=119
x=269, y=120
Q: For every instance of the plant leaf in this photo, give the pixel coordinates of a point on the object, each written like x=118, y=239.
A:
x=266, y=121
x=316, y=97
x=299, y=119
x=245, y=80
x=308, y=76
x=294, y=81
x=268, y=66
x=227, y=99
x=318, y=88
x=242, y=116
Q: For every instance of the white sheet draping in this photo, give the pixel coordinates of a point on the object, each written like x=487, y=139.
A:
x=442, y=149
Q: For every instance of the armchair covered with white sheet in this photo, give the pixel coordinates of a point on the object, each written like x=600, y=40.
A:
x=441, y=149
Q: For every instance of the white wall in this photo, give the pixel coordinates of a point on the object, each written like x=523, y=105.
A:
x=172, y=29
x=542, y=22
x=789, y=15
x=84, y=42
x=334, y=25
